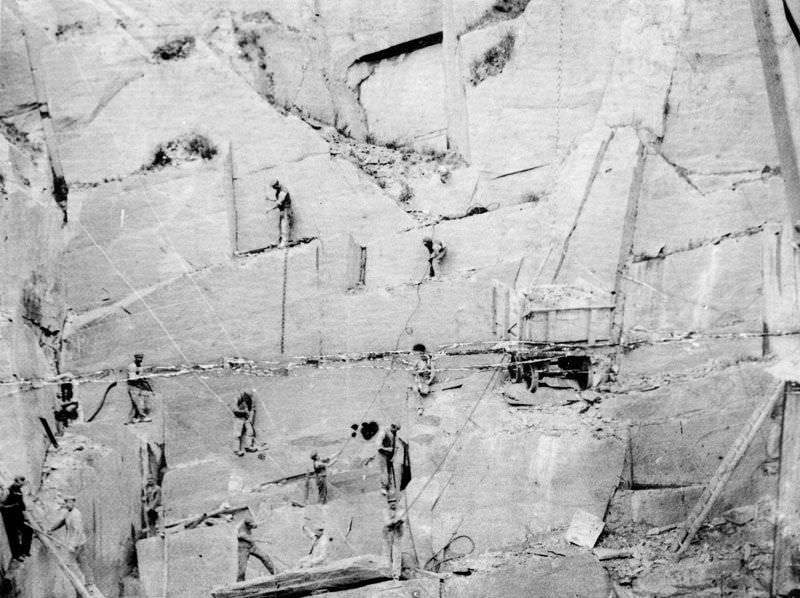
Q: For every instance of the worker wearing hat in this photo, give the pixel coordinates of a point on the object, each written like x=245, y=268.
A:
x=75, y=537
x=248, y=547
x=320, y=466
x=14, y=519
x=387, y=446
x=283, y=203
x=318, y=553
x=139, y=391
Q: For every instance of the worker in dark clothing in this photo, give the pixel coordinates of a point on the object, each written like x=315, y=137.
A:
x=320, y=466
x=436, y=253
x=15, y=519
x=248, y=548
x=139, y=391
x=393, y=534
x=283, y=203
x=387, y=446
x=244, y=431
x=66, y=408
x=151, y=499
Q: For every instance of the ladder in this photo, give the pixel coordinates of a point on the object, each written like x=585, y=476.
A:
x=724, y=472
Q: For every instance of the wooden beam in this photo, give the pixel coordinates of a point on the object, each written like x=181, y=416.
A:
x=200, y=518
x=725, y=470
x=80, y=588
x=455, y=105
x=776, y=86
x=348, y=573
x=786, y=561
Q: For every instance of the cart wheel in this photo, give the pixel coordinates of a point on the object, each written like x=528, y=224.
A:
x=531, y=378
x=584, y=377
x=516, y=370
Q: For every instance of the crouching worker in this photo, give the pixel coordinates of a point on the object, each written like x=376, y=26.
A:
x=423, y=371
x=318, y=553
x=66, y=408
x=244, y=432
x=151, y=500
x=248, y=548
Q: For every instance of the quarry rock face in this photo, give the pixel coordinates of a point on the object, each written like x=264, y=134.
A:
x=618, y=156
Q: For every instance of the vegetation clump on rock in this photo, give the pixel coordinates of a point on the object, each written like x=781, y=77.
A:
x=501, y=10
x=493, y=60
x=176, y=49
x=185, y=148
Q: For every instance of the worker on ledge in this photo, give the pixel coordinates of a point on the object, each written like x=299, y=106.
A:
x=318, y=553
x=387, y=447
x=436, y=253
x=75, y=539
x=151, y=500
x=244, y=432
x=393, y=534
x=15, y=518
x=248, y=548
x=424, y=373
x=283, y=203
x=139, y=391
x=66, y=409
x=320, y=466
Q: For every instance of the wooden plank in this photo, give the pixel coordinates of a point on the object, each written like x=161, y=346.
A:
x=80, y=588
x=786, y=561
x=547, y=316
x=199, y=518
x=590, y=337
x=506, y=314
x=348, y=573
x=725, y=471
x=542, y=310
x=233, y=214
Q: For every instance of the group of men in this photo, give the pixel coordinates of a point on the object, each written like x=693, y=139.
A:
x=19, y=528
x=66, y=411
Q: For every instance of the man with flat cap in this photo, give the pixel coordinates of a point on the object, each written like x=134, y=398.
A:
x=139, y=391
x=283, y=203
x=75, y=538
x=248, y=548
x=15, y=518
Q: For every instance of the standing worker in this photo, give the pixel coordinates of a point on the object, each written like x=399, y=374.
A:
x=151, y=499
x=436, y=253
x=15, y=519
x=283, y=203
x=320, y=466
x=244, y=432
x=392, y=535
x=248, y=548
x=139, y=391
x=75, y=538
x=387, y=446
